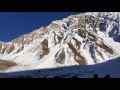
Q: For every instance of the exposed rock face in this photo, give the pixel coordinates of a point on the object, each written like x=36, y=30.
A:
x=6, y=64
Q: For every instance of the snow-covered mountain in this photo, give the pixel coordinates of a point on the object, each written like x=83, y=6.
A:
x=83, y=39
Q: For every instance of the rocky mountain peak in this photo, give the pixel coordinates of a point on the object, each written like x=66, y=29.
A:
x=82, y=39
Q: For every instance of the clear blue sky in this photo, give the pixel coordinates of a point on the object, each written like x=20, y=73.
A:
x=14, y=24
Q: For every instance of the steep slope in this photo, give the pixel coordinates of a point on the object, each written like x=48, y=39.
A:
x=78, y=71
x=82, y=39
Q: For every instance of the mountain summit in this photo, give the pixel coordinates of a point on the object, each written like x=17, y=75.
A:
x=83, y=39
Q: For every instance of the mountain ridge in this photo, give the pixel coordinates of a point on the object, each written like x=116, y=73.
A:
x=81, y=39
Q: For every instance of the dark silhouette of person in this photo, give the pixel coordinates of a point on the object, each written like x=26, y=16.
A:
x=107, y=76
x=95, y=75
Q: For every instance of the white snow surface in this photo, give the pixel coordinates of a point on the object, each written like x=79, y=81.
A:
x=84, y=71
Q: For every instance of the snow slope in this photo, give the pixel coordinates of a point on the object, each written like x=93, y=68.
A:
x=83, y=71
